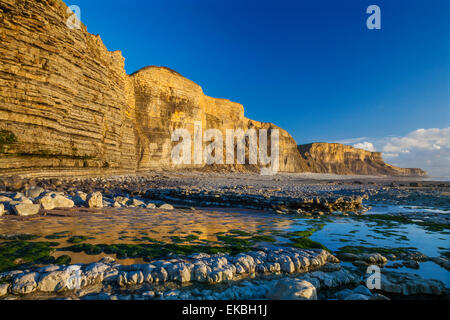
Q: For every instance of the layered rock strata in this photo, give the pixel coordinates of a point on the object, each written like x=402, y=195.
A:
x=341, y=159
x=67, y=106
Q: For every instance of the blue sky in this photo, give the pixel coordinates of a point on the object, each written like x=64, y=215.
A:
x=311, y=67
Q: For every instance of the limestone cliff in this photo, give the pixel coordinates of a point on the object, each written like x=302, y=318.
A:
x=341, y=159
x=163, y=101
x=67, y=107
x=72, y=108
x=62, y=93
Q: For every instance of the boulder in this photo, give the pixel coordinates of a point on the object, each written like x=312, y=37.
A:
x=53, y=282
x=136, y=203
x=374, y=258
x=34, y=192
x=25, y=209
x=95, y=200
x=151, y=206
x=293, y=289
x=80, y=198
x=4, y=289
x=341, y=295
x=166, y=206
x=5, y=199
x=356, y=296
x=25, y=283
x=362, y=290
x=121, y=200
x=52, y=201
x=2, y=209
x=62, y=202
x=378, y=296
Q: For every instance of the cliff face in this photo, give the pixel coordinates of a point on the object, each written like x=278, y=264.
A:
x=163, y=100
x=67, y=106
x=61, y=93
x=341, y=159
x=73, y=109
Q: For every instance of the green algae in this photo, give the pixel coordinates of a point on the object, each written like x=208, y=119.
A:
x=388, y=219
x=19, y=252
x=188, y=238
x=362, y=249
x=77, y=239
x=151, y=251
x=306, y=243
x=58, y=235
x=263, y=238
x=64, y=259
x=239, y=232
x=19, y=237
x=235, y=241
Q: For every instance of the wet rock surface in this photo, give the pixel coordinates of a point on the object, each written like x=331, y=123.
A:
x=303, y=273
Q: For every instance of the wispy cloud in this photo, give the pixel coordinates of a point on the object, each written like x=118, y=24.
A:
x=428, y=149
x=365, y=145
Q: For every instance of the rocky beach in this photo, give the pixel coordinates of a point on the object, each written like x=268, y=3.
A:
x=196, y=235
x=94, y=204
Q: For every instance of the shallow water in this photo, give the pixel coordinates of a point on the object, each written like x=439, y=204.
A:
x=114, y=226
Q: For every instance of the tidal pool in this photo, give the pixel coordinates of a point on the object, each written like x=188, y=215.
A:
x=74, y=230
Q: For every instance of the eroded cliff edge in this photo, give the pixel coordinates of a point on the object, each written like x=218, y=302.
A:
x=67, y=107
x=341, y=159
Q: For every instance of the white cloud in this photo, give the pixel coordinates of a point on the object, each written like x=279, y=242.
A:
x=365, y=145
x=428, y=149
x=422, y=139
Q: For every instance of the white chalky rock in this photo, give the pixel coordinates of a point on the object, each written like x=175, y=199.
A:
x=293, y=289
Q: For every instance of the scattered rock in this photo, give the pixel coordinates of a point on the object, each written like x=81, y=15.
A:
x=62, y=202
x=362, y=290
x=117, y=205
x=378, y=296
x=26, y=283
x=166, y=206
x=53, y=282
x=26, y=209
x=121, y=200
x=4, y=289
x=293, y=289
x=95, y=200
x=411, y=264
x=374, y=258
x=5, y=199
x=410, y=284
x=443, y=262
x=356, y=296
x=347, y=256
x=80, y=198
x=52, y=201
x=34, y=192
